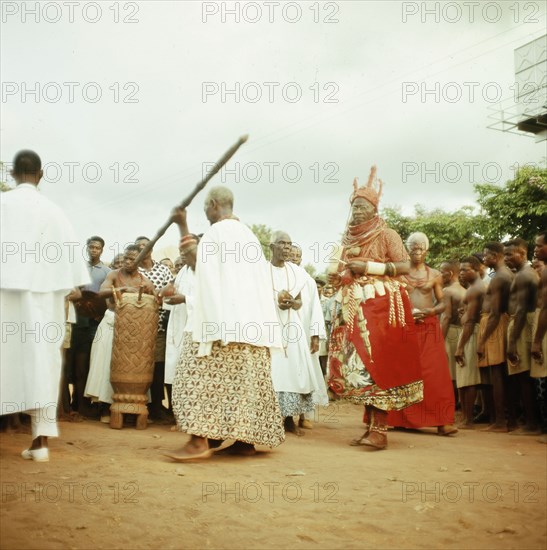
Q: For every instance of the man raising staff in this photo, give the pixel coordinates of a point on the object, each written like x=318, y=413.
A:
x=223, y=383
x=32, y=295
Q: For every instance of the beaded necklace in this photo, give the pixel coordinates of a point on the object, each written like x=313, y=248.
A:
x=417, y=282
x=276, y=299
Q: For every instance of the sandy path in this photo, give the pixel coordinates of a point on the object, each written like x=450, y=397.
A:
x=114, y=489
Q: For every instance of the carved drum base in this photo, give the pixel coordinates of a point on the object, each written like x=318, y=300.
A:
x=133, y=351
x=128, y=404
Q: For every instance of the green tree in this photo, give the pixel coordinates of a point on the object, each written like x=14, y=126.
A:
x=310, y=268
x=516, y=209
x=451, y=234
x=263, y=233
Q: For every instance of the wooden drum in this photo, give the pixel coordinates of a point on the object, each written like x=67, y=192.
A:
x=132, y=366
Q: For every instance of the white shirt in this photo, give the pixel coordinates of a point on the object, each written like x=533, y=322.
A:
x=233, y=297
x=40, y=252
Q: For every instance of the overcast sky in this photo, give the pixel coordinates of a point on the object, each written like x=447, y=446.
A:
x=324, y=90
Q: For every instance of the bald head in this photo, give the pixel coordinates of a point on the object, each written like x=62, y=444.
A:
x=281, y=247
x=219, y=204
x=450, y=270
x=222, y=195
x=278, y=236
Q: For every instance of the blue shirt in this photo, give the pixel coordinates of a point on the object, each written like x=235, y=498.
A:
x=98, y=274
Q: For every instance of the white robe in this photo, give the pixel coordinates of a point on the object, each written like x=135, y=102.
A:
x=233, y=298
x=311, y=311
x=293, y=369
x=98, y=386
x=40, y=265
x=180, y=319
x=313, y=321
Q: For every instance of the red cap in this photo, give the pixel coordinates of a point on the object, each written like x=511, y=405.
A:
x=372, y=191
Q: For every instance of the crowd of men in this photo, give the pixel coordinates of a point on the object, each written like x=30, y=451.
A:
x=499, y=348
x=245, y=346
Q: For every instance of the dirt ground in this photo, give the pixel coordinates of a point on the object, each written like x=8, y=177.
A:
x=106, y=488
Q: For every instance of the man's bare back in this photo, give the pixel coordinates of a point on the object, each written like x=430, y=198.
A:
x=454, y=295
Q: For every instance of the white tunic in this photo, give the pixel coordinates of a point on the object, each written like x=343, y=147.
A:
x=313, y=320
x=41, y=263
x=180, y=320
x=98, y=386
x=293, y=369
x=311, y=311
x=233, y=298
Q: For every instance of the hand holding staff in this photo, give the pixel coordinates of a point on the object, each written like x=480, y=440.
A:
x=186, y=202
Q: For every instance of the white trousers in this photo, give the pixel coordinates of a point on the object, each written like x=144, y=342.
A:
x=44, y=421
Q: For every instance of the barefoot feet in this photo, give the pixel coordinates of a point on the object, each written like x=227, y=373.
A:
x=196, y=448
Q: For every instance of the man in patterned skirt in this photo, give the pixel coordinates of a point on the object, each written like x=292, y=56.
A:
x=223, y=382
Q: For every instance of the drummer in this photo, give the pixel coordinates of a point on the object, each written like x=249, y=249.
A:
x=127, y=279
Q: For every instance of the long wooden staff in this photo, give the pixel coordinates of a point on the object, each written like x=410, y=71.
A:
x=186, y=202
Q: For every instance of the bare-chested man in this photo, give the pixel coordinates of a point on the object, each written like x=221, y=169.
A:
x=492, y=344
x=424, y=286
x=539, y=344
x=483, y=272
x=125, y=279
x=160, y=276
x=522, y=305
x=450, y=319
x=128, y=278
x=467, y=376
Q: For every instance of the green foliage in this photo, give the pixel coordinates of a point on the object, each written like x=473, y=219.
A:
x=517, y=209
x=311, y=270
x=263, y=234
x=451, y=234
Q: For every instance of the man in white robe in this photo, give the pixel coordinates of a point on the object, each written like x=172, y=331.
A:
x=296, y=376
x=178, y=299
x=223, y=384
x=40, y=265
x=313, y=322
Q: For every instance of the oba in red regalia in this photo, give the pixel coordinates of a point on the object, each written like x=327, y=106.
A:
x=374, y=354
